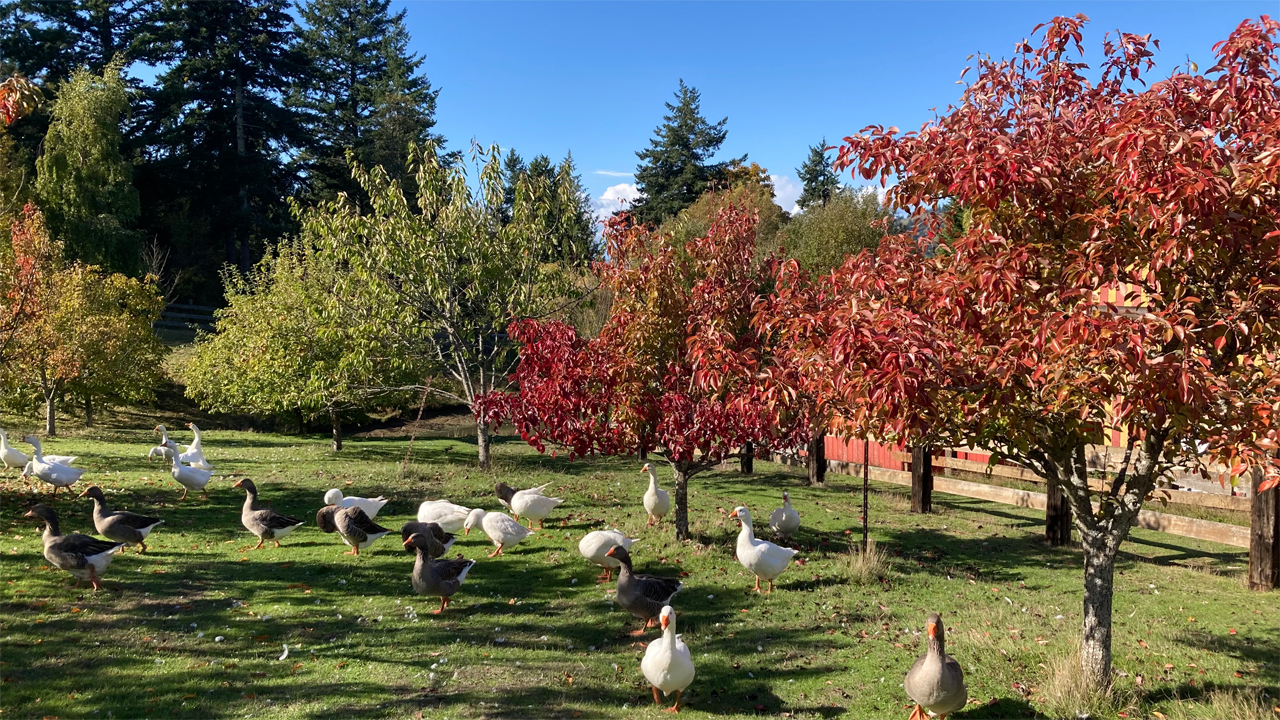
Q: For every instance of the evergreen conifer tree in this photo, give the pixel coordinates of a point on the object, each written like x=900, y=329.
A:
x=363, y=91
x=677, y=167
x=819, y=179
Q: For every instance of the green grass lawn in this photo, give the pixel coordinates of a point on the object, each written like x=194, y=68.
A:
x=195, y=627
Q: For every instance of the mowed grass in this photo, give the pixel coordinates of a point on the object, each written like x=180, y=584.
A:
x=195, y=628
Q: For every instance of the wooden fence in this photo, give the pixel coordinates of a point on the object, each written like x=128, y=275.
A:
x=181, y=316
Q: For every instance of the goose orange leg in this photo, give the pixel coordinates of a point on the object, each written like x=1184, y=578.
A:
x=93, y=578
x=605, y=576
x=644, y=627
x=770, y=591
x=259, y=545
x=675, y=708
x=918, y=713
x=444, y=602
x=650, y=524
x=184, y=493
x=497, y=552
x=757, y=583
x=144, y=548
x=656, y=701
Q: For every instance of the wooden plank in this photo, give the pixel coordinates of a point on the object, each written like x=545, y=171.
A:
x=1224, y=533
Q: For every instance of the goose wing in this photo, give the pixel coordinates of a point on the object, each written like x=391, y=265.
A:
x=658, y=589
x=84, y=545
x=134, y=520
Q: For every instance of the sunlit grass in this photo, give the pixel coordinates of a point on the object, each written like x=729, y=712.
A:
x=532, y=635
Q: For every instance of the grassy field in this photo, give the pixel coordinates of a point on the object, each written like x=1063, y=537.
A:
x=195, y=627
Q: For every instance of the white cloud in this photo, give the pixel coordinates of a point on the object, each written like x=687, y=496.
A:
x=612, y=173
x=615, y=198
x=786, y=191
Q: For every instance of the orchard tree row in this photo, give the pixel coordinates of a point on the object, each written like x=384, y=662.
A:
x=991, y=322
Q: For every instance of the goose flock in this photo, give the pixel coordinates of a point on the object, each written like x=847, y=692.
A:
x=935, y=682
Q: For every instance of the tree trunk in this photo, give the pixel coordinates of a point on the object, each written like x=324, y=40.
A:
x=51, y=414
x=335, y=421
x=1099, y=575
x=482, y=444
x=682, y=502
x=921, y=479
x=88, y=410
x=1057, y=515
x=1264, y=536
x=747, y=462
x=641, y=454
x=818, y=458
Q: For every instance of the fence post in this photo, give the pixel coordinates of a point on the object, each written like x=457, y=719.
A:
x=1264, y=536
x=921, y=479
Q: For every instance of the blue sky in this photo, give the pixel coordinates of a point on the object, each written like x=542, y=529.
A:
x=592, y=78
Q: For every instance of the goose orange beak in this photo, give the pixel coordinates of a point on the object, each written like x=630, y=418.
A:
x=237, y=483
x=733, y=514
x=665, y=622
x=30, y=513
x=409, y=540
x=610, y=553
x=86, y=492
x=932, y=629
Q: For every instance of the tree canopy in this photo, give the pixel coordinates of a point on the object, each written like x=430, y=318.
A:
x=819, y=178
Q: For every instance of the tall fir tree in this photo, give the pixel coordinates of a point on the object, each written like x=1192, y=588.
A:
x=819, y=179
x=51, y=39
x=573, y=220
x=217, y=133
x=363, y=92
x=677, y=167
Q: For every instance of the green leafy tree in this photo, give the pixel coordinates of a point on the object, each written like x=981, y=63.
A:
x=438, y=283
x=749, y=187
x=676, y=169
x=363, y=91
x=280, y=347
x=83, y=331
x=84, y=184
x=824, y=235
x=217, y=133
x=820, y=180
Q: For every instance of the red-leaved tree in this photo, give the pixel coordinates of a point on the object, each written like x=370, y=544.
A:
x=676, y=368
x=1119, y=267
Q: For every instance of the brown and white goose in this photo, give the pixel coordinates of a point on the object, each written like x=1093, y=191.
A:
x=85, y=557
x=120, y=525
x=936, y=681
x=439, y=578
x=355, y=527
x=261, y=520
x=642, y=595
x=438, y=541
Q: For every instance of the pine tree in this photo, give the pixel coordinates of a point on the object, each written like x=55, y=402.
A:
x=363, y=91
x=819, y=179
x=571, y=218
x=216, y=132
x=676, y=169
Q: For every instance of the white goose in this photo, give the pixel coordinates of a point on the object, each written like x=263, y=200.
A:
x=500, y=528
x=448, y=516
x=194, y=454
x=166, y=447
x=595, y=546
x=34, y=442
x=784, y=521
x=370, y=506
x=55, y=473
x=189, y=477
x=667, y=663
x=11, y=456
x=764, y=559
x=533, y=505
x=657, y=502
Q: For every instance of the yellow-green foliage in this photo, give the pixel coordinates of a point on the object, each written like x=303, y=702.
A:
x=822, y=236
x=279, y=345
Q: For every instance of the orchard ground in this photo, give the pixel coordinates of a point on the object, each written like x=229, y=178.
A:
x=195, y=628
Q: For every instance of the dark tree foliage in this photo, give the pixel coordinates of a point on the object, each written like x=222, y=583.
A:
x=676, y=169
x=216, y=133
x=819, y=179
x=49, y=39
x=362, y=92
